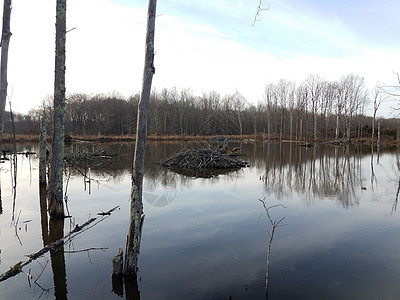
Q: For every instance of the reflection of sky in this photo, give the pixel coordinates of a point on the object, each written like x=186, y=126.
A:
x=208, y=242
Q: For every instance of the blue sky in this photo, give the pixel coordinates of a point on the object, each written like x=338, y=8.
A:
x=203, y=45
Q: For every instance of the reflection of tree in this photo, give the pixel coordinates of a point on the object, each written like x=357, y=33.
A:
x=131, y=288
x=43, y=214
x=122, y=162
x=373, y=177
x=321, y=171
x=50, y=234
x=58, y=259
x=13, y=173
x=396, y=201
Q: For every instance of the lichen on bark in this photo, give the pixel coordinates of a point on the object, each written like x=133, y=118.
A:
x=56, y=207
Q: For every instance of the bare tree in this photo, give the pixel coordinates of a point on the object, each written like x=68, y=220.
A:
x=239, y=103
x=301, y=106
x=392, y=90
x=314, y=85
x=136, y=211
x=282, y=93
x=56, y=207
x=379, y=98
x=269, y=95
x=352, y=88
x=5, y=41
x=291, y=104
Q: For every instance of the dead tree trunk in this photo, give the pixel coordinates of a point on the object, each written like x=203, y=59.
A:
x=56, y=207
x=5, y=41
x=43, y=154
x=136, y=213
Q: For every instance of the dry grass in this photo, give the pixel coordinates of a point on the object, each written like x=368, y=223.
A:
x=33, y=138
x=169, y=138
x=20, y=138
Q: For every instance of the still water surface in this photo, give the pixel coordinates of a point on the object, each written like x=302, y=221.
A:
x=207, y=238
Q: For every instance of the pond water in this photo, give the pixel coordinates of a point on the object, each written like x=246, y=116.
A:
x=207, y=238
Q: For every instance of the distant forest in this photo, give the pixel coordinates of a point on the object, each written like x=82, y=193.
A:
x=316, y=109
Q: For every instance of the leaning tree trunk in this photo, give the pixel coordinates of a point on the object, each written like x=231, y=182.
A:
x=136, y=213
x=56, y=207
x=5, y=41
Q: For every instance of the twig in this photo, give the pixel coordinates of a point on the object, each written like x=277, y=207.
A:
x=16, y=227
x=275, y=224
x=257, y=15
x=85, y=250
x=38, y=277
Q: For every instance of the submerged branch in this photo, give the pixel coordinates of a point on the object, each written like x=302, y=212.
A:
x=17, y=268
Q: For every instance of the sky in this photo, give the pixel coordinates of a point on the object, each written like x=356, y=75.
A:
x=208, y=45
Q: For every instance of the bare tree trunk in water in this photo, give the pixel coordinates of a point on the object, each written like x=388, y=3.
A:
x=5, y=41
x=56, y=207
x=136, y=213
x=43, y=154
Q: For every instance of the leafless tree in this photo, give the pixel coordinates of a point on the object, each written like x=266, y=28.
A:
x=314, y=85
x=379, y=98
x=136, y=211
x=5, y=41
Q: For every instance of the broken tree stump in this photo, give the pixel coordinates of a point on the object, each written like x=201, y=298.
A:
x=117, y=264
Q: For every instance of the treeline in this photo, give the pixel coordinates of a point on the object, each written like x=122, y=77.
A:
x=312, y=110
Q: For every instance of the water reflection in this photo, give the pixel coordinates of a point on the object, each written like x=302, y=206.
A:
x=286, y=169
x=13, y=174
x=57, y=259
x=201, y=238
x=52, y=231
x=316, y=172
x=131, y=287
x=396, y=200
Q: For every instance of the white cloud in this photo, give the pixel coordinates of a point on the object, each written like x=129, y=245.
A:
x=106, y=50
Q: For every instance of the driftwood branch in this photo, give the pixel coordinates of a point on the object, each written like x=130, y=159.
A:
x=17, y=268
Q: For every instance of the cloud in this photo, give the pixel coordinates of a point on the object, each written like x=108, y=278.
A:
x=105, y=52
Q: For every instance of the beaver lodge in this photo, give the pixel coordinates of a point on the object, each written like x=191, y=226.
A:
x=202, y=163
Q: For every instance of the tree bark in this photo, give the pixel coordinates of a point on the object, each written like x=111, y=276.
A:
x=5, y=42
x=136, y=210
x=43, y=154
x=56, y=207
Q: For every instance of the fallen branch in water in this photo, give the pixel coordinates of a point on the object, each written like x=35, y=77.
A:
x=17, y=268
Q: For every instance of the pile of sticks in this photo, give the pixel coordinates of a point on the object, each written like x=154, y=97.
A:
x=201, y=159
